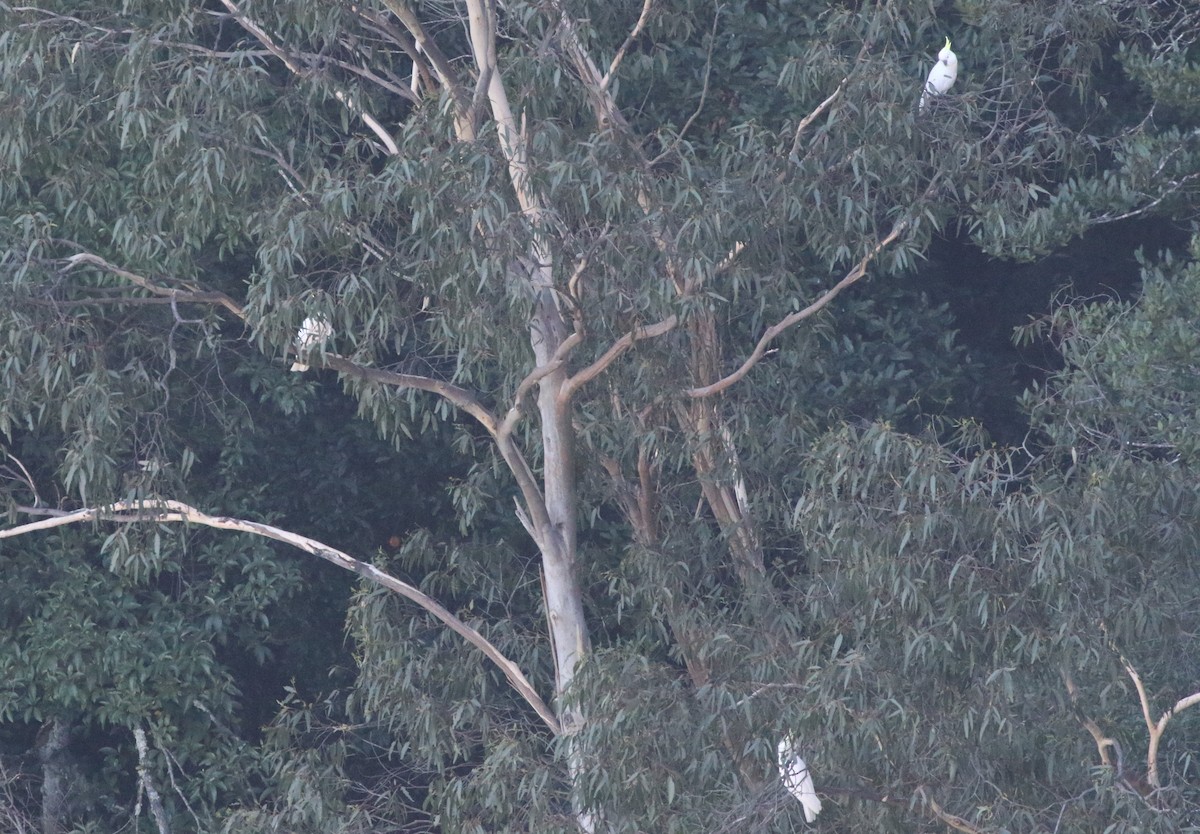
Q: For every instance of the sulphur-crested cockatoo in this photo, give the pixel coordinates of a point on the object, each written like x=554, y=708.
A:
x=941, y=77
x=314, y=332
x=797, y=779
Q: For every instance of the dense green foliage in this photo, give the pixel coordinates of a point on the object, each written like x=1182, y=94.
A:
x=547, y=310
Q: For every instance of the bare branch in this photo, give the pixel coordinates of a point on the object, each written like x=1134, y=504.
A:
x=534, y=377
x=830, y=99
x=649, y=331
x=1155, y=729
x=288, y=61
x=176, y=511
x=468, y=402
x=145, y=783
x=440, y=64
x=1175, y=186
x=1156, y=734
x=760, y=349
x=642, y=20
x=955, y=822
x=1103, y=742
x=1141, y=691
x=189, y=295
x=457, y=396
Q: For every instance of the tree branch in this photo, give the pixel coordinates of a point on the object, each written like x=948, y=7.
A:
x=145, y=783
x=1141, y=691
x=859, y=270
x=1157, y=733
x=642, y=20
x=1155, y=729
x=189, y=295
x=176, y=511
x=448, y=78
x=534, y=377
x=288, y=61
x=624, y=343
x=824, y=105
x=1103, y=742
x=459, y=397
x=955, y=822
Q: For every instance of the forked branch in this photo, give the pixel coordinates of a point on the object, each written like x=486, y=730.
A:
x=1155, y=729
x=176, y=512
x=344, y=97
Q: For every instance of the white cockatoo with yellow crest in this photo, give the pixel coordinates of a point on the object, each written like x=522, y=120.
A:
x=315, y=331
x=796, y=778
x=941, y=77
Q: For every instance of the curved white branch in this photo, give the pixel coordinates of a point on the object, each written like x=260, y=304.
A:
x=176, y=511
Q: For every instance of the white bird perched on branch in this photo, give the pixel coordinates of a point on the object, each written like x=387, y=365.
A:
x=797, y=779
x=314, y=332
x=941, y=77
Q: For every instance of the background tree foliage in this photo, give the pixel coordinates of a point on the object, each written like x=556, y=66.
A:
x=607, y=261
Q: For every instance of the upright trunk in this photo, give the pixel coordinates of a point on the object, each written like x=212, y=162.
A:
x=556, y=536
x=51, y=751
x=564, y=597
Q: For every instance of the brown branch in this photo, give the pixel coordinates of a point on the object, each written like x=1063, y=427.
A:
x=176, y=511
x=824, y=105
x=633, y=36
x=468, y=402
x=624, y=343
x=288, y=61
x=441, y=66
x=647, y=490
x=1103, y=742
x=955, y=822
x=459, y=397
x=760, y=349
x=189, y=295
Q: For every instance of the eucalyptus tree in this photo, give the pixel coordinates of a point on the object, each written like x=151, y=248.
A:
x=600, y=238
